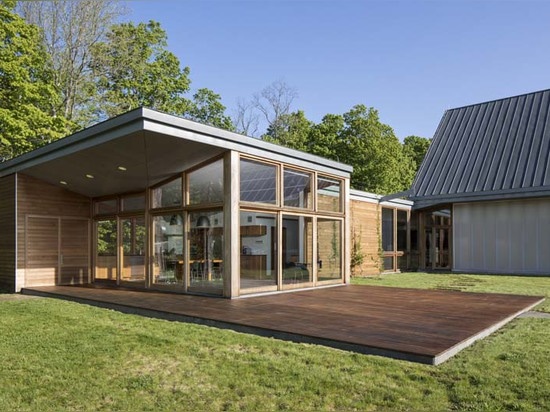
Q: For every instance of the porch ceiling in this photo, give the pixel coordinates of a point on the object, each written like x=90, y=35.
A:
x=148, y=158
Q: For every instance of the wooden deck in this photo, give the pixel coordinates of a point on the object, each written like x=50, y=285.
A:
x=427, y=326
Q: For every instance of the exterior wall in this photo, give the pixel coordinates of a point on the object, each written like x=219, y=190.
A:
x=365, y=230
x=502, y=237
x=42, y=209
x=7, y=232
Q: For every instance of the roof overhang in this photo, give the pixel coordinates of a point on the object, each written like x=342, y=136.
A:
x=150, y=146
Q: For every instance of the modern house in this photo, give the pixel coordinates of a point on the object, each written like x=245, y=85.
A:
x=153, y=201
x=149, y=200
x=482, y=194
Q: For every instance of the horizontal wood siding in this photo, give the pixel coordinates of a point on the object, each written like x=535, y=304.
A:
x=37, y=198
x=7, y=233
x=365, y=227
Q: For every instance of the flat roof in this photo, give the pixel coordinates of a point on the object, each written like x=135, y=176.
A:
x=151, y=146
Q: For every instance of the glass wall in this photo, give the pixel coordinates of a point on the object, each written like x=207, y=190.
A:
x=206, y=251
x=329, y=194
x=258, y=182
x=206, y=184
x=167, y=195
x=297, y=251
x=106, y=250
x=297, y=189
x=168, y=258
x=133, y=248
x=394, y=239
x=258, y=237
x=329, y=249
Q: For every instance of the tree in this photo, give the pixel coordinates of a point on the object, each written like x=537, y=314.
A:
x=374, y=151
x=27, y=92
x=415, y=147
x=70, y=29
x=291, y=130
x=246, y=118
x=133, y=68
x=208, y=109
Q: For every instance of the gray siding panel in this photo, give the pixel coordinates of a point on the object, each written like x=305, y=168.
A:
x=502, y=145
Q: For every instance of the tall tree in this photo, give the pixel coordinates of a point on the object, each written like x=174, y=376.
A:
x=245, y=118
x=208, y=109
x=27, y=92
x=70, y=28
x=273, y=102
x=133, y=68
x=291, y=130
x=415, y=147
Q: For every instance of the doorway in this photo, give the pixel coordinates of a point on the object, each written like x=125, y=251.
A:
x=57, y=251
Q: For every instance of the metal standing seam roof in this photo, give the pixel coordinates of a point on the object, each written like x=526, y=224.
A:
x=491, y=150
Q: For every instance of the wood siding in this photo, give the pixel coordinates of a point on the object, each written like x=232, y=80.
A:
x=365, y=227
x=51, y=239
x=7, y=233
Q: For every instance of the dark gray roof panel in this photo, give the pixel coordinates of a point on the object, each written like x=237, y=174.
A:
x=501, y=145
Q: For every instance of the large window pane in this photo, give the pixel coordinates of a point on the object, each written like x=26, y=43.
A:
x=106, y=207
x=329, y=249
x=206, y=184
x=401, y=230
x=168, y=249
x=387, y=229
x=258, y=250
x=106, y=250
x=297, y=251
x=133, y=202
x=206, y=251
x=133, y=247
x=297, y=189
x=258, y=182
x=329, y=194
x=168, y=195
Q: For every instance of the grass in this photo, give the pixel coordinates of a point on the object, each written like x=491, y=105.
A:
x=520, y=285
x=57, y=355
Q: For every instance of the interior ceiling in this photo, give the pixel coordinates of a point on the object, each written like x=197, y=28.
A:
x=148, y=158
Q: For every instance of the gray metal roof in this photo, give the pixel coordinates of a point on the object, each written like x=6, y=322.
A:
x=493, y=150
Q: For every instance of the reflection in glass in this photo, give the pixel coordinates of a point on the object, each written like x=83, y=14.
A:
x=297, y=250
x=168, y=249
x=106, y=250
x=206, y=184
x=297, y=188
x=328, y=194
x=106, y=207
x=329, y=249
x=401, y=230
x=206, y=251
x=133, y=202
x=133, y=247
x=258, y=250
x=387, y=229
x=168, y=195
x=258, y=182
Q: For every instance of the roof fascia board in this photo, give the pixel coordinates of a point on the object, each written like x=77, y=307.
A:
x=240, y=140
x=281, y=154
x=378, y=199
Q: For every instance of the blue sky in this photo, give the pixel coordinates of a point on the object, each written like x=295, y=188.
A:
x=411, y=60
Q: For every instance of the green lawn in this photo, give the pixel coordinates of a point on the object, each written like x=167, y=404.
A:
x=57, y=355
x=520, y=285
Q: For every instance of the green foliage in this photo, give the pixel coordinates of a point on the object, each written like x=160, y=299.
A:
x=59, y=355
x=133, y=69
x=27, y=95
x=358, y=138
x=415, y=147
x=208, y=109
x=357, y=253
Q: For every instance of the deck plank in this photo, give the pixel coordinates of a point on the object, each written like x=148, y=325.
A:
x=414, y=324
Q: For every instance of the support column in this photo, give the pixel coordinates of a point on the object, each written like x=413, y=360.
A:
x=231, y=260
